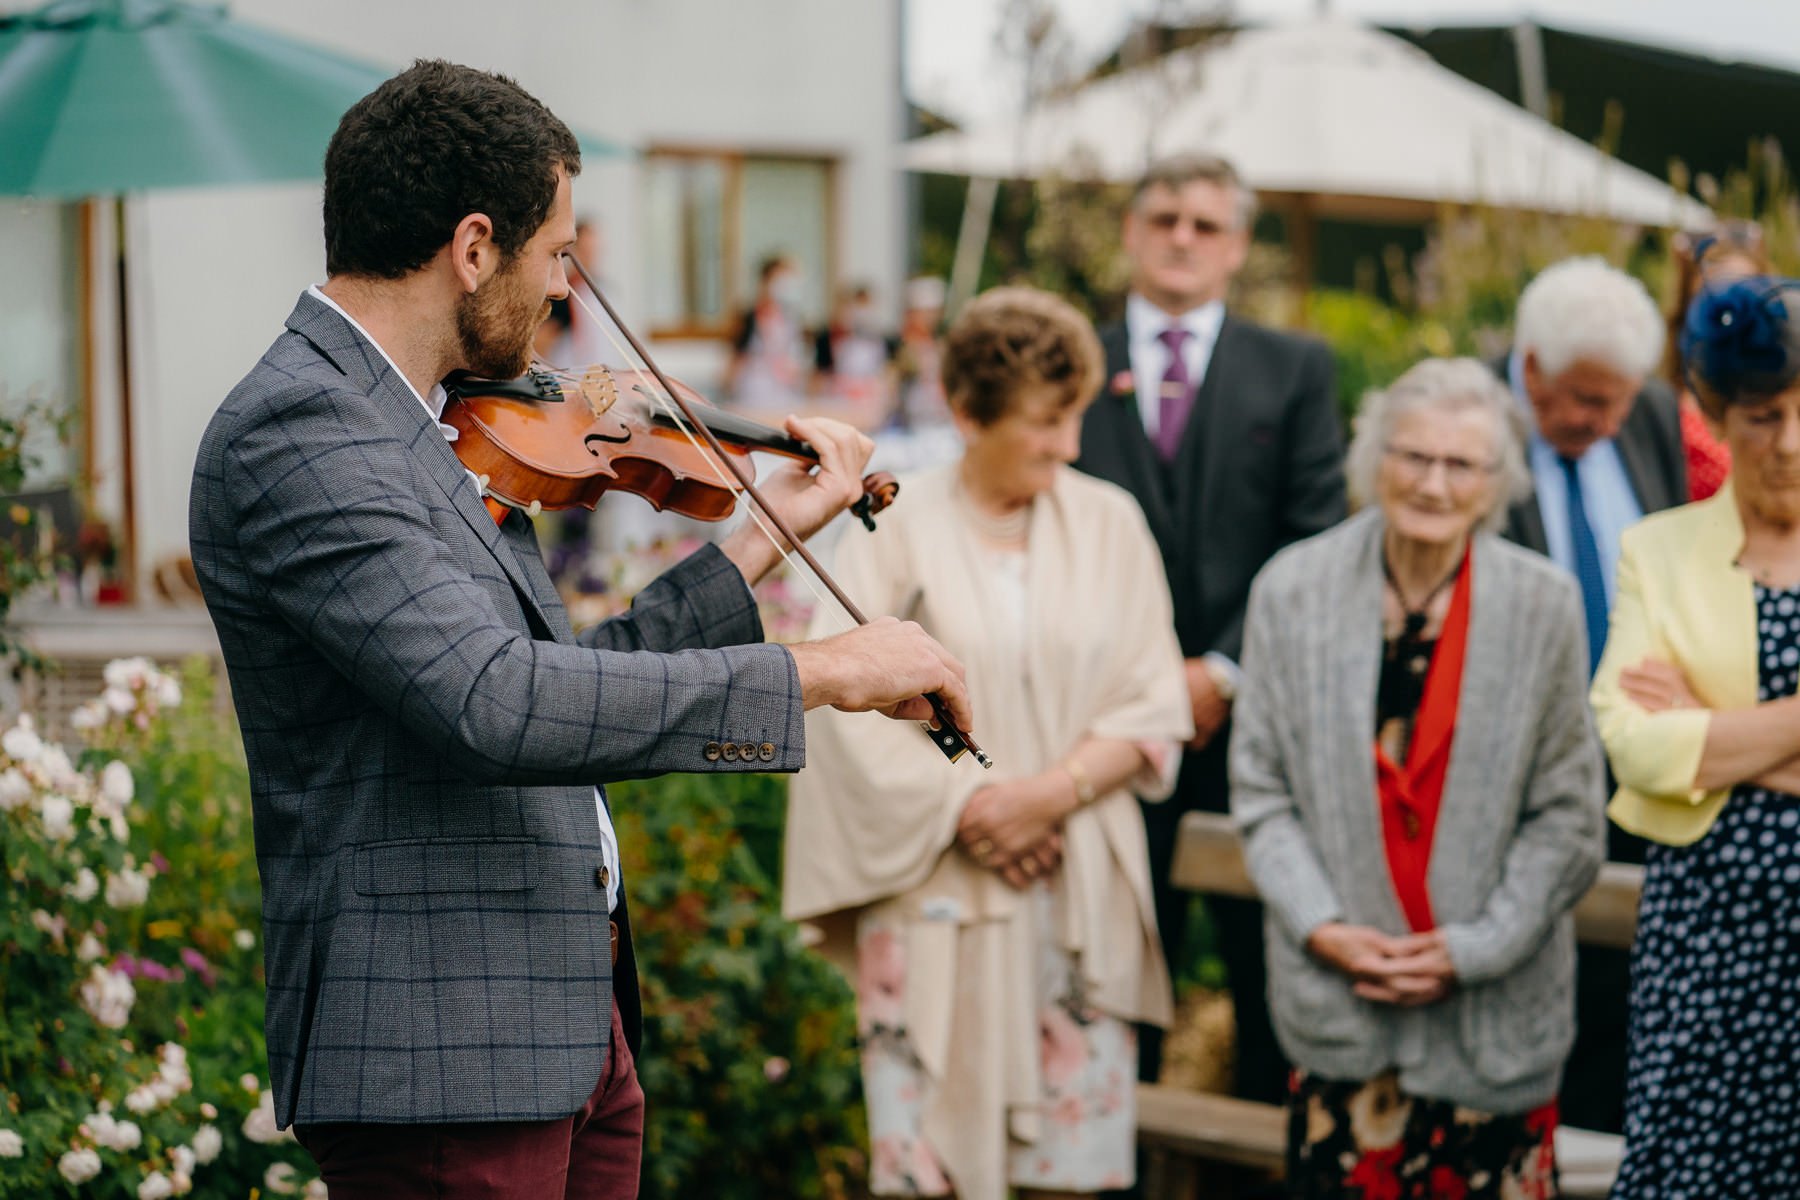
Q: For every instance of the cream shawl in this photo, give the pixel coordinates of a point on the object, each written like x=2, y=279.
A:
x=872, y=818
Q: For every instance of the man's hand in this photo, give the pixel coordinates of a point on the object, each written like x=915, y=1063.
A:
x=886, y=666
x=1655, y=686
x=807, y=497
x=1210, y=708
x=1014, y=827
x=1404, y=971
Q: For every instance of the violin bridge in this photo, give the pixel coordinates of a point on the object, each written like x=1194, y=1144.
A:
x=598, y=389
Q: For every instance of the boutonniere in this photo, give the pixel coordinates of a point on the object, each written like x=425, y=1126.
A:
x=1122, y=384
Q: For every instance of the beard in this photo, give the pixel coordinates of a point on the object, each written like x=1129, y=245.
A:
x=495, y=325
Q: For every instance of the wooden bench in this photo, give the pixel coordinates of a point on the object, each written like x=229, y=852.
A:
x=1219, y=1146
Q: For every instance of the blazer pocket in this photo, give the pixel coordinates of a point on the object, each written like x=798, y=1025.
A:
x=446, y=865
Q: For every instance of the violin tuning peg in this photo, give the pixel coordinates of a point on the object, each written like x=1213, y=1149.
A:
x=534, y=508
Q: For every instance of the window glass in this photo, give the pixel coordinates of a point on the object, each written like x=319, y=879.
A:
x=785, y=210
x=40, y=326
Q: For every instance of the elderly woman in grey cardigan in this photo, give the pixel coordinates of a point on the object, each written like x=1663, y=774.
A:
x=1416, y=778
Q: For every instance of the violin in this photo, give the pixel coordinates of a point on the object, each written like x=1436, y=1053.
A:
x=560, y=439
x=553, y=439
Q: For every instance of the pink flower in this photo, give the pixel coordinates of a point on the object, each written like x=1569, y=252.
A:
x=196, y=962
x=880, y=980
x=1122, y=384
x=1062, y=1046
x=776, y=1069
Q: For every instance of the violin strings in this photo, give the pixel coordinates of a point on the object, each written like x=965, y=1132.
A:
x=731, y=482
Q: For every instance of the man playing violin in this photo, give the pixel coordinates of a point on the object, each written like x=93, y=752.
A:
x=452, y=998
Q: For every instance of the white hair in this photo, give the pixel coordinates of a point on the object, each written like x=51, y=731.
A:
x=1583, y=310
x=1443, y=385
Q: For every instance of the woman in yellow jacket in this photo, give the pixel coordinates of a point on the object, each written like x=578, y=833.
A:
x=1695, y=700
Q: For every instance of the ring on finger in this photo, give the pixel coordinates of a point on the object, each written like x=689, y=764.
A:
x=984, y=849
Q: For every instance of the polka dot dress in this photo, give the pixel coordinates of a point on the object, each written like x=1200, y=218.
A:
x=1712, y=1098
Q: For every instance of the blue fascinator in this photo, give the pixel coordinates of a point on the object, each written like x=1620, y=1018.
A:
x=1738, y=338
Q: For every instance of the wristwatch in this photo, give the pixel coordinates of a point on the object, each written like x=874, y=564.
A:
x=1223, y=681
x=1084, y=783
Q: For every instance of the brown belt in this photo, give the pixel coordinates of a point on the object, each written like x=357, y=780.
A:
x=615, y=941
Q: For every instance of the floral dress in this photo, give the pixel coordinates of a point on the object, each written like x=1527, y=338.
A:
x=1089, y=1064
x=1712, y=1097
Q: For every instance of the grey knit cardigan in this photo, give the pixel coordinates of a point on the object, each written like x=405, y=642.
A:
x=1520, y=834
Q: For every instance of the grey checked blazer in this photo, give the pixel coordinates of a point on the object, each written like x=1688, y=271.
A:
x=1519, y=835
x=424, y=732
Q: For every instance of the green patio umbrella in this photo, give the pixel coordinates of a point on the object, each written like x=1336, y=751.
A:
x=106, y=96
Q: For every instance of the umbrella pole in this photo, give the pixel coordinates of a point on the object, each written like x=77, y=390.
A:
x=128, y=519
x=971, y=241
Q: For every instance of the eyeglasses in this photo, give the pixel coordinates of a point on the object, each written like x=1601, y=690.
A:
x=1458, y=472
x=1166, y=222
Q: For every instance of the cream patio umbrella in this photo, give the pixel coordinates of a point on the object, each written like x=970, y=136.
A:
x=1323, y=119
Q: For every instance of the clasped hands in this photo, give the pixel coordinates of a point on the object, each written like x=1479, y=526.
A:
x=1015, y=828
x=1407, y=972
x=1656, y=686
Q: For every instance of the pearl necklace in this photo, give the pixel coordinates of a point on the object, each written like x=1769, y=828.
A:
x=1006, y=529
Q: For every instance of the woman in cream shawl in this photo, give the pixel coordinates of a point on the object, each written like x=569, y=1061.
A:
x=998, y=925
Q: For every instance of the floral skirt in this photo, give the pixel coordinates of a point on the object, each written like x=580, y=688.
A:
x=1372, y=1141
x=1089, y=1067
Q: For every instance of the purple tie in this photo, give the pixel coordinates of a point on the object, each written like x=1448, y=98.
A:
x=1176, y=397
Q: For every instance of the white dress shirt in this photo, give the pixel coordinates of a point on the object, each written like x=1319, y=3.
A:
x=1144, y=327
x=434, y=404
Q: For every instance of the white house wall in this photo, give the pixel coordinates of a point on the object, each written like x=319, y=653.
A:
x=216, y=271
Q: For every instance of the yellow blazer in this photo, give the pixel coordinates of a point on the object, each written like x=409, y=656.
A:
x=1681, y=598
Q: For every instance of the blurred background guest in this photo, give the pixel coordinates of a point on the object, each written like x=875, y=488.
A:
x=1605, y=447
x=1418, y=786
x=1000, y=932
x=1228, y=434
x=551, y=332
x=592, y=337
x=919, y=402
x=1731, y=251
x=767, y=375
x=1696, y=701
x=850, y=360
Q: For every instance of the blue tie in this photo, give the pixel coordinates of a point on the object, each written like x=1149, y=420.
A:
x=1587, y=565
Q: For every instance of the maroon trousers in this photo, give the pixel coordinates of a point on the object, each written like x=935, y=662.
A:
x=592, y=1155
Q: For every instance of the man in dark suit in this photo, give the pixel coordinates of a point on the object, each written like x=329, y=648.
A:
x=1604, y=451
x=1228, y=434
x=452, y=1001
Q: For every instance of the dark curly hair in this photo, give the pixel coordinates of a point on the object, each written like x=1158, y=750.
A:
x=424, y=150
x=1741, y=341
x=1011, y=339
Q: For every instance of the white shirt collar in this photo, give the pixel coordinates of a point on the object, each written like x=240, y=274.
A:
x=433, y=401
x=1146, y=321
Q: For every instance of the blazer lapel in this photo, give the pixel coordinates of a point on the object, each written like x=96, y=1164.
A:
x=1121, y=450
x=393, y=397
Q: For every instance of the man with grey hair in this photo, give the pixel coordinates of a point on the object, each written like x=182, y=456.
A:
x=1604, y=450
x=1229, y=436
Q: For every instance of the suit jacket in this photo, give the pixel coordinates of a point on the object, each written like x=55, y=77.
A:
x=1650, y=446
x=1261, y=464
x=424, y=732
x=1683, y=599
x=1519, y=835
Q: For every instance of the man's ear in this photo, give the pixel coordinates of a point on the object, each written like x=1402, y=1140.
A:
x=474, y=256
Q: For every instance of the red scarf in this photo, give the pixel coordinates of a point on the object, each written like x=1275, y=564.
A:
x=1410, y=796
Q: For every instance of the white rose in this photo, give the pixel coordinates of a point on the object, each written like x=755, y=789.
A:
x=116, y=783
x=260, y=1125
x=112, y=1133
x=120, y=830
x=89, y=949
x=182, y=1160
x=22, y=744
x=249, y=1083
x=208, y=1141
x=166, y=690
x=279, y=1179
x=316, y=1190
x=126, y=672
x=156, y=1186
x=84, y=887
x=58, y=814
x=108, y=996
x=15, y=789
x=243, y=939
x=127, y=888
x=54, y=926
x=88, y=716
x=142, y=1099
x=79, y=1166
x=55, y=764
x=183, y=1183
x=118, y=700
x=11, y=1144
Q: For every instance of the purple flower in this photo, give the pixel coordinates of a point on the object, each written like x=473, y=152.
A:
x=197, y=963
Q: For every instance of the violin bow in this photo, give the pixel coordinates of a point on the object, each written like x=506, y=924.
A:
x=952, y=741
